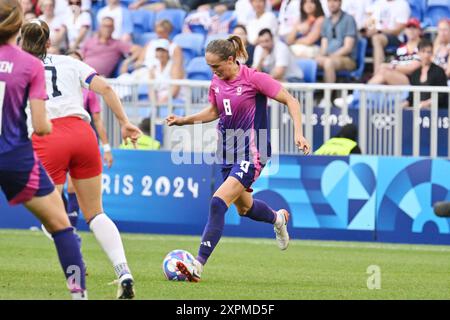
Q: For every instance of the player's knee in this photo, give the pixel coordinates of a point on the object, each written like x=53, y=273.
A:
x=242, y=210
x=217, y=205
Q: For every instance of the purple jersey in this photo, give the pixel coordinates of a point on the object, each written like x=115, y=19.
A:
x=242, y=106
x=21, y=78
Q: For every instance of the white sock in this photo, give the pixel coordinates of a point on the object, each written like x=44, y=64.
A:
x=279, y=221
x=108, y=236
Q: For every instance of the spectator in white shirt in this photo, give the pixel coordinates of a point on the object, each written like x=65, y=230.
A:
x=244, y=11
x=288, y=17
x=123, y=25
x=56, y=25
x=263, y=20
x=78, y=24
x=358, y=9
x=385, y=26
x=273, y=56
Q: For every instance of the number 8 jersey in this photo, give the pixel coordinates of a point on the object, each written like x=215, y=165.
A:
x=65, y=77
x=243, y=126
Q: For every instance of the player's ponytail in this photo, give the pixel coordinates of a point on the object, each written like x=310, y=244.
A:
x=231, y=47
x=239, y=47
x=11, y=17
x=35, y=35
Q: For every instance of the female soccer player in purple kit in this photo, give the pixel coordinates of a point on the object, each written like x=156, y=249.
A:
x=22, y=176
x=238, y=97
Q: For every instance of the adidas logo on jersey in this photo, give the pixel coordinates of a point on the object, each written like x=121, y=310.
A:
x=240, y=174
x=206, y=244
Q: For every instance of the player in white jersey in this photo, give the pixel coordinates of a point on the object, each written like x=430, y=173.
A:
x=72, y=146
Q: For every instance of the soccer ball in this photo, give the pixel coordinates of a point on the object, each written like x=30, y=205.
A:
x=170, y=264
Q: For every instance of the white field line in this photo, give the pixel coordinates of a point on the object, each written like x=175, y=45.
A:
x=261, y=241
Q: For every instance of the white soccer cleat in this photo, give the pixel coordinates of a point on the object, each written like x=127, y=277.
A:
x=192, y=271
x=280, y=228
x=79, y=295
x=125, y=287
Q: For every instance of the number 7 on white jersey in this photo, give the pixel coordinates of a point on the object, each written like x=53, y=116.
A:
x=227, y=107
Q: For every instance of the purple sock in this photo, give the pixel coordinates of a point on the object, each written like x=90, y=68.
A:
x=260, y=211
x=70, y=258
x=73, y=209
x=213, y=229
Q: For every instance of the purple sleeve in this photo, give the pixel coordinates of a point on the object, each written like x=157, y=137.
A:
x=37, y=82
x=265, y=84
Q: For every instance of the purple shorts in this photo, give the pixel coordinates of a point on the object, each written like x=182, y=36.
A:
x=246, y=173
x=22, y=176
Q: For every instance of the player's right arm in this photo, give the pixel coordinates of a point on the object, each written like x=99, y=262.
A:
x=39, y=119
x=206, y=115
x=37, y=95
x=100, y=86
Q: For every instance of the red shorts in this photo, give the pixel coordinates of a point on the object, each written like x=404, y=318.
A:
x=71, y=147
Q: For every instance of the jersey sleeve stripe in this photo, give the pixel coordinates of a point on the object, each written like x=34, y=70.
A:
x=90, y=77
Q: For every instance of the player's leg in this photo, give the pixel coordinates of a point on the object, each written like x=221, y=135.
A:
x=227, y=193
x=73, y=208
x=50, y=211
x=90, y=199
x=258, y=210
x=33, y=188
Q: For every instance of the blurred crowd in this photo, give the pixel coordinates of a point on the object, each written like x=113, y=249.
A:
x=395, y=42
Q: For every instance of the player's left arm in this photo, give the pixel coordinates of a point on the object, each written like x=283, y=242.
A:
x=98, y=122
x=294, y=108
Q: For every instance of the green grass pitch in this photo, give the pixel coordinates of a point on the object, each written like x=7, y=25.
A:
x=239, y=269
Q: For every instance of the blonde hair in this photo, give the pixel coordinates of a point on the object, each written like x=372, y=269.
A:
x=233, y=46
x=11, y=18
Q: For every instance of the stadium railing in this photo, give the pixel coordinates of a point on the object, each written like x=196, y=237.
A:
x=377, y=110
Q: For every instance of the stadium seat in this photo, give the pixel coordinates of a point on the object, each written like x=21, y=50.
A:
x=229, y=16
x=358, y=72
x=417, y=8
x=198, y=69
x=435, y=11
x=191, y=43
x=309, y=68
x=143, y=39
x=143, y=21
x=175, y=16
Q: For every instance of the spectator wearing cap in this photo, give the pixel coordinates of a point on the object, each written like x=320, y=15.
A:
x=428, y=74
x=147, y=57
x=406, y=59
x=338, y=42
x=123, y=25
x=162, y=71
x=385, y=26
x=274, y=57
x=102, y=52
